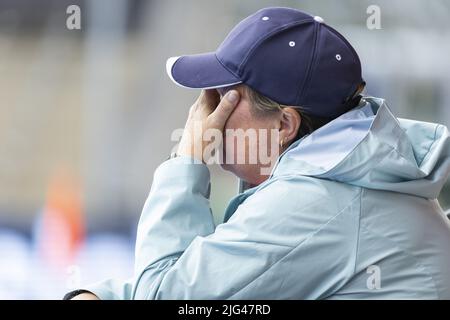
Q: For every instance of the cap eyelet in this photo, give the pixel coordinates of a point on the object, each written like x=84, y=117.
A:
x=265, y=18
x=291, y=43
x=338, y=57
x=318, y=19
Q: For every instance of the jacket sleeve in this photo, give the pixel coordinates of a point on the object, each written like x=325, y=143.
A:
x=178, y=254
x=268, y=249
x=176, y=211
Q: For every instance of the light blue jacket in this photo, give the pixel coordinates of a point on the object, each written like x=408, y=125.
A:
x=349, y=212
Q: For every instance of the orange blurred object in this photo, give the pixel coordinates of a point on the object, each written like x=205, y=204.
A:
x=62, y=226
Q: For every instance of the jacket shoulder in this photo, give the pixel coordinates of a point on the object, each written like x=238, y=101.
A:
x=292, y=209
x=317, y=219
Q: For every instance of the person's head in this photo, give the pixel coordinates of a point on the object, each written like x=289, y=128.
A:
x=258, y=130
x=301, y=71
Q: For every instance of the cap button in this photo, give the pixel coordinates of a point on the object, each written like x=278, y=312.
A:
x=318, y=19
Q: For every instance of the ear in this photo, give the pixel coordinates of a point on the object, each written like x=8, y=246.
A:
x=290, y=122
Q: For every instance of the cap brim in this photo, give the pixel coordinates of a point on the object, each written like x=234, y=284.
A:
x=200, y=71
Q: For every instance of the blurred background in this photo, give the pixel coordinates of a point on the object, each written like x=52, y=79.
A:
x=86, y=116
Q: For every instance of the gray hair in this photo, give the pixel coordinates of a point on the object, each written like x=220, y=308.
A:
x=265, y=106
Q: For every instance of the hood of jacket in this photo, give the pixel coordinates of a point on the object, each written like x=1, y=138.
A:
x=369, y=147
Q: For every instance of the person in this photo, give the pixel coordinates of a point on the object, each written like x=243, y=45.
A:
x=346, y=208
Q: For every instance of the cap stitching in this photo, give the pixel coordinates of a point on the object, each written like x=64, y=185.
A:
x=336, y=33
x=284, y=27
x=312, y=61
x=355, y=56
x=223, y=65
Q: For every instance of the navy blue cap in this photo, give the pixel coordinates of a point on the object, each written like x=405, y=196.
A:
x=285, y=54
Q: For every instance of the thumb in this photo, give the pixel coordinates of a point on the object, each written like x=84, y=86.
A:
x=225, y=108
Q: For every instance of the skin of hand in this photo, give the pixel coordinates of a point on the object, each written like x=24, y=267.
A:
x=209, y=111
x=85, y=296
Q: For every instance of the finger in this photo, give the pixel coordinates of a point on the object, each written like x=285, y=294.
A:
x=225, y=108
